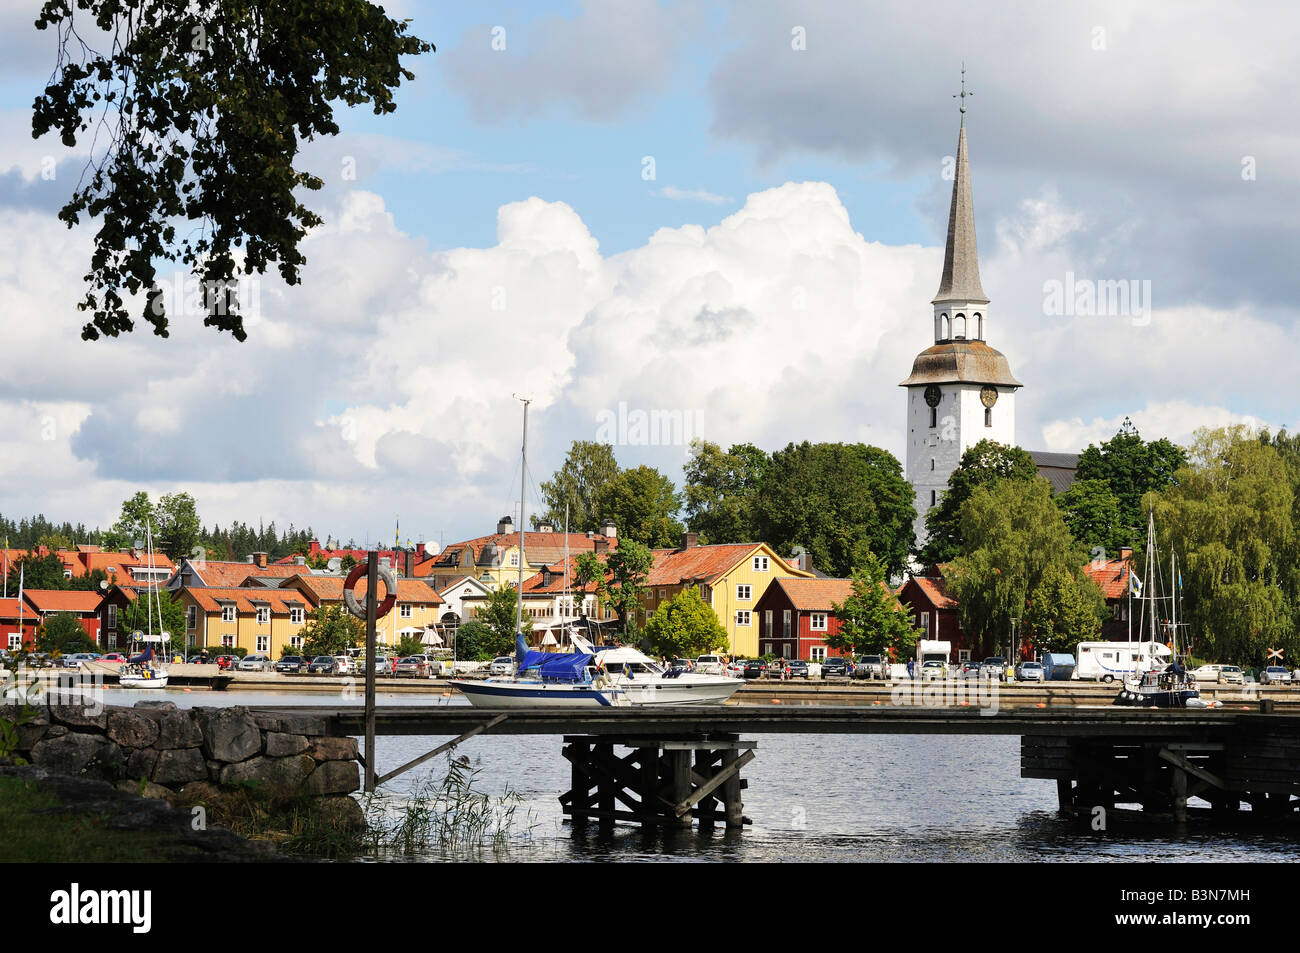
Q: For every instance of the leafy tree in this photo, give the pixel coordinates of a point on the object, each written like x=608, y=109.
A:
x=643, y=504
x=62, y=633
x=37, y=572
x=207, y=102
x=1132, y=467
x=586, y=470
x=135, y=617
x=331, y=630
x=1230, y=516
x=177, y=527
x=1015, y=538
x=841, y=502
x=722, y=491
x=623, y=585
x=1063, y=611
x=347, y=562
x=409, y=645
x=477, y=641
x=1092, y=513
x=54, y=542
x=685, y=626
x=872, y=619
x=90, y=582
x=130, y=528
x=985, y=463
x=498, y=614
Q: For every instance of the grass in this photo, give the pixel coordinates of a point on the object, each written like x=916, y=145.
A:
x=298, y=824
x=33, y=830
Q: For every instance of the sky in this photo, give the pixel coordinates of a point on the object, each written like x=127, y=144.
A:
x=725, y=215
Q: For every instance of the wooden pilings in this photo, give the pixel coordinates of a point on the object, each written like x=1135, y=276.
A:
x=655, y=782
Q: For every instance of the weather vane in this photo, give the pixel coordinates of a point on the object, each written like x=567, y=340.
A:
x=963, y=94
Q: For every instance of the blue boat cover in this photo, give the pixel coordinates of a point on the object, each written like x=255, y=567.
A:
x=556, y=666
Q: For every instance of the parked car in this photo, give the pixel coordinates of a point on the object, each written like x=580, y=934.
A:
x=682, y=665
x=1207, y=673
x=1295, y=676
x=872, y=667
x=255, y=663
x=933, y=669
x=753, y=668
x=295, y=664
x=735, y=668
x=347, y=665
x=835, y=665
x=968, y=669
x=77, y=659
x=413, y=666
x=995, y=666
x=709, y=665
x=501, y=665
x=1231, y=675
x=799, y=668
x=1274, y=675
x=1029, y=672
x=323, y=665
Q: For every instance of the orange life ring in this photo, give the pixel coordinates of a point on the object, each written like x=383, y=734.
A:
x=349, y=597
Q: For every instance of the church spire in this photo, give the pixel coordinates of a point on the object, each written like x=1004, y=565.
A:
x=961, y=269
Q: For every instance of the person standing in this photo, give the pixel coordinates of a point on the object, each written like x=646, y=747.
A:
x=911, y=668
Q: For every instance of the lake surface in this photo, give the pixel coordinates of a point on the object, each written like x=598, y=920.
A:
x=853, y=798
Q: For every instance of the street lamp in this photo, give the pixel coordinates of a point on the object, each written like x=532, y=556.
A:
x=1014, y=644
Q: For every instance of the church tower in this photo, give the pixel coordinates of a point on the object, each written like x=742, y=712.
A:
x=961, y=390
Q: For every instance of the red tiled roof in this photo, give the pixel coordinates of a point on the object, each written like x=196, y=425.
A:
x=63, y=600
x=815, y=595
x=559, y=574
x=246, y=600
x=330, y=589
x=674, y=567
x=232, y=574
x=936, y=591
x=540, y=549
x=9, y=609
x=1111, y=576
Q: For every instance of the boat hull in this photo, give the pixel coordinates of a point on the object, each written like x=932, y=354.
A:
x=509, y=694
x=1170, y=698
x=140, y=681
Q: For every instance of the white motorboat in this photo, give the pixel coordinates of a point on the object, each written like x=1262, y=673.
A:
x=142, y=676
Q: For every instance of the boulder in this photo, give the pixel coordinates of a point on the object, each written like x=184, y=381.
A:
x=177, y=729
x=80, y=716
x=77, y=754
x=56, y=731
x=335, y=777
x=141, y=762
x=179, y=765
x=290, y=723
x=132, y=729
x=229, y=734
x=334, y=749
x=156, y=705
x=287, y=772
x=148, y=789
x=197, y=792
x=342, y=811
x=281, y=745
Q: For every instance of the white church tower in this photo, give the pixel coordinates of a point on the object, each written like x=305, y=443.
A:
x=961, y=390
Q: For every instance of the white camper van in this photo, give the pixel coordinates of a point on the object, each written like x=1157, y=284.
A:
x=930, y=650
x=1107, y=661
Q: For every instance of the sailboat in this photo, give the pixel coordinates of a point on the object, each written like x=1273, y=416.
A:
x=1168, y=686
x=140, y=670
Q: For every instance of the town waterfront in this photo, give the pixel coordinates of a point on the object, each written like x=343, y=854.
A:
x=882, y=798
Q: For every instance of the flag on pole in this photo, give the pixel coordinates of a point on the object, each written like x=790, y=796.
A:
x=1134, y=584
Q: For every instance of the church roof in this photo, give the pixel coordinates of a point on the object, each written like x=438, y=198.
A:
x=970, y=362
x=960, y=280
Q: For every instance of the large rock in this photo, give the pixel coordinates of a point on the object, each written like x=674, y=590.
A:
x=281, y=745
x=276, y=772
x=80, y=716
x=147, y=789
x=335, y=777
x=77, y=753
x=334, y=749
x=141, y=762
x=291, y=723
x=339, y=810
x=132, y=729
x=156, y=705
x=179, y=765
x=177, y=729
x=229, y=734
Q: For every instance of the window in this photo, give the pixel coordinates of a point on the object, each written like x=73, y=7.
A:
x=227, y=614
x=925, y=623
x=785, y=623
x=263, y=615
x=760, y=564
x=819, y=621
x=706, y=593
x=67, y=574
x=15, y=641
x=112, y=617
x=263, y=643
x=934, y=416
x=112, y=640
x=932, y=464
x=767, y=622
x=963, y=655
x=742, y=593
x=405, y=611
x=514, y=559
x=742, y=617
x=933, y=497
x=191, y=617
x=988, y=416
x=819, y=653
x=227, y=641
x=295, y=642
x=296, y=616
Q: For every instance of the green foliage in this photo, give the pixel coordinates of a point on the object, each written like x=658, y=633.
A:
x=37, y=572
x=207, y=102
x=1015, y=538
x=1092, y=513
x=331, y=630
x=477, y=642
x=135, y=618
x=578, y=483
x=622, y=582
x=177, y=528
x=63, y=633
x=498, y=614
x=986, y=463
x=1063, y=611
x=1132, y=467
x=643, y=504
x=685, y=626
x=841, y=502
x=722, y=491
x=1230, y=516
x=872, y=619
x=408, y=645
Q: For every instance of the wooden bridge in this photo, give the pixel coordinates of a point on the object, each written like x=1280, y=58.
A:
x=685, y=763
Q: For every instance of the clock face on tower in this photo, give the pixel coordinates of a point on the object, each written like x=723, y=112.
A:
x=932, y=395
x=988, y=395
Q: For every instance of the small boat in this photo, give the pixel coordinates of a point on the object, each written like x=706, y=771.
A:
x=141, y=676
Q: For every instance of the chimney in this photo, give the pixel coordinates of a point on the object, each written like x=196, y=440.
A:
x=505, y=525
x=419, y=550
x=260, y=559
x=601, y=546
x=545, y=526
x=408, y=564
x=313, y=549
x=608, y=529
x=1125, y=553
x=690, y=540
x=591, y=534
x=300, y=560
x=249, y=559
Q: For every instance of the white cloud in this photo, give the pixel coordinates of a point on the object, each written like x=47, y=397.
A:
x=693, y=195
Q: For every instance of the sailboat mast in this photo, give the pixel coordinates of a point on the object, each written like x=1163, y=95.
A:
x=523, y=472
x=1151, y=577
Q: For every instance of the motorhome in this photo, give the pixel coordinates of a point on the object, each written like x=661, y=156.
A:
x=929, y=650
x=1107, y=661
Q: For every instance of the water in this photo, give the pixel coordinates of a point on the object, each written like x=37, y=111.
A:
x=855, y=798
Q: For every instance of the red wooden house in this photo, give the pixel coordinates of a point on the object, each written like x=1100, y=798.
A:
x=14, y=614
x=82, y=604
x=795, y=617
x=934, y=612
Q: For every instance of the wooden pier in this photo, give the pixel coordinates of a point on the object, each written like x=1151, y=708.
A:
x=670, y=766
